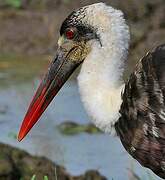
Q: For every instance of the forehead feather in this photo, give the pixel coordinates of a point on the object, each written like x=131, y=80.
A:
x=84, y=16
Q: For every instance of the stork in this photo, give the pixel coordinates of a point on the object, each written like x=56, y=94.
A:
x=97, y=37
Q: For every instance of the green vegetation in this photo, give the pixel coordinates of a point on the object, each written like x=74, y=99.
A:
x=14, y=3
x=34, y=177
x=46, y=178
x=20, y=68
x=71, y=128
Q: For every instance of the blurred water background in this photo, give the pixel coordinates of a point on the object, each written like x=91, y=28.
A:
x=28, y=35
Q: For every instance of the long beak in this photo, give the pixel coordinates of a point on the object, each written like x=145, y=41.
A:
x=59, y=71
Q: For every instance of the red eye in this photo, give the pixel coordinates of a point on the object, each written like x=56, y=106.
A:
x=69, y=34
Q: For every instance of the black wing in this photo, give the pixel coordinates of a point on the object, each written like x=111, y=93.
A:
x=141, y=126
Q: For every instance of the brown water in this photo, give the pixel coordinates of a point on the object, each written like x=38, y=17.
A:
x=19, y=77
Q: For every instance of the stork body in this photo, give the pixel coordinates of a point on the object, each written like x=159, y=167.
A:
x=97, y=37
x=141, y=126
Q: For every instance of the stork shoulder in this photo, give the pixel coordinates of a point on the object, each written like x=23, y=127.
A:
x=141, y=126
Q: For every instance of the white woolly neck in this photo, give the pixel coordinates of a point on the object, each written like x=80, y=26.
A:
x=100, y=78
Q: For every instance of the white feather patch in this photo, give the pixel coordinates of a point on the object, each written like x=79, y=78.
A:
x=100, y=78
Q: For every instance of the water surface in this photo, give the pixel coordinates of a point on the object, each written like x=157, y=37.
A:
x=19, y=78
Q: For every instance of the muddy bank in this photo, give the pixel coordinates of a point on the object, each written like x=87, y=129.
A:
x=17, y=164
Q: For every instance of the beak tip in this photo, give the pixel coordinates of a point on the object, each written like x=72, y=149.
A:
x=20, y=136
x=19, y=139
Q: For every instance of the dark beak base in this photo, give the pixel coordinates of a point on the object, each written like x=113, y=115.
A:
x=59, y=71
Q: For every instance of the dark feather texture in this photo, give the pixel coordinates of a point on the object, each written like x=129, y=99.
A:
x=141, y=126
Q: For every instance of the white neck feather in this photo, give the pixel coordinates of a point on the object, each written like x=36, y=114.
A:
x=100, y=79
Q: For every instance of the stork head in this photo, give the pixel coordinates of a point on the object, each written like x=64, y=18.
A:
x=78, y=32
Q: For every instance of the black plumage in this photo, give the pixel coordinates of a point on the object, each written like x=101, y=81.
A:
x=84, y=30
x=141, y=126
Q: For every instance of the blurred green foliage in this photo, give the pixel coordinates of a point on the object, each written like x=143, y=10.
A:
x=45, y=177
x=14, y=3
x=34, y=177
x=72, y=128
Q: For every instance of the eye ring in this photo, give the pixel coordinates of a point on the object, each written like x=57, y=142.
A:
x=70, y=33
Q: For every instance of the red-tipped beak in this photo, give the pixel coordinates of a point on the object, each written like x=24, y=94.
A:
x=59, y=71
